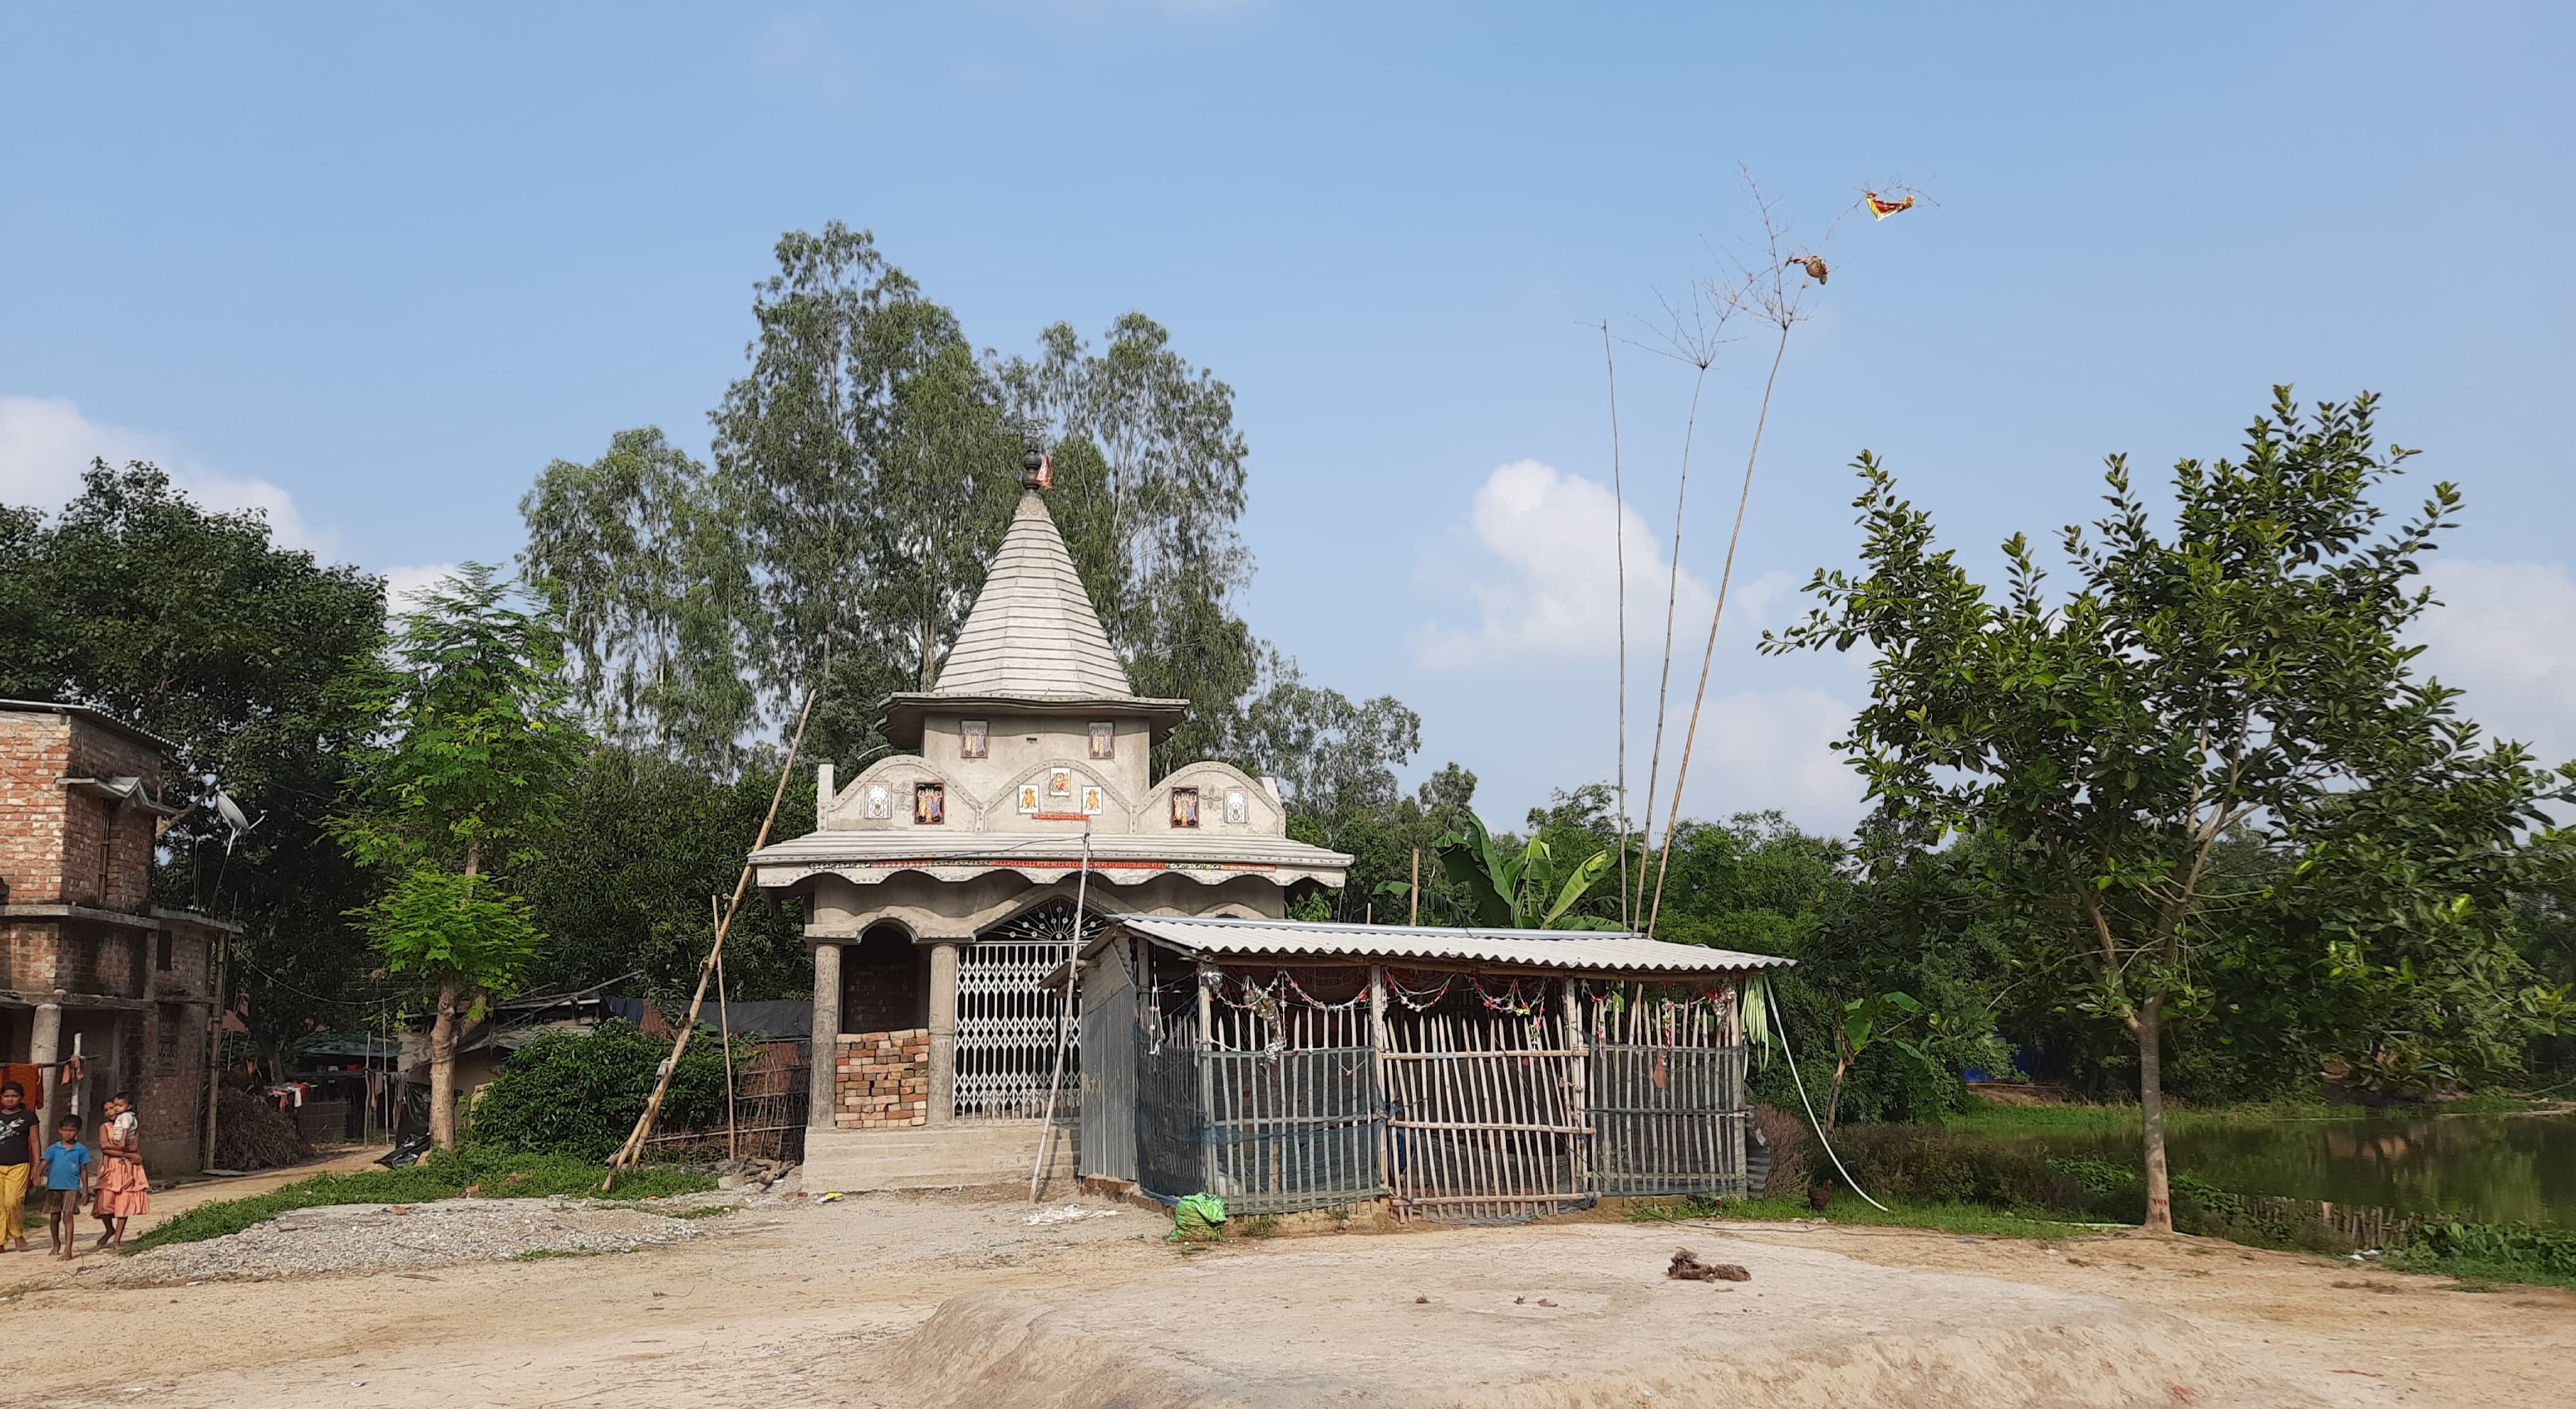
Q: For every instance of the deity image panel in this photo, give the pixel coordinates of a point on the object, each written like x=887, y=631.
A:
x=879, y=803
x=1238, y=808
x=929, y=804
x=1059, y=782
x=1093, y=801
x=1185, y=807
x=1104, y=741
x=973, y=739
x=1029, y=797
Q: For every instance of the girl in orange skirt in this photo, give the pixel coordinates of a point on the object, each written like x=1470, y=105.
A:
x=122, y=1191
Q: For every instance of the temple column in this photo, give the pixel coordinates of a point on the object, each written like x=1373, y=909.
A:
x=943, y=1030
x=823, y=1100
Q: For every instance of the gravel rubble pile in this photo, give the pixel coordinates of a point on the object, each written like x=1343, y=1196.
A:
x=394, y=1237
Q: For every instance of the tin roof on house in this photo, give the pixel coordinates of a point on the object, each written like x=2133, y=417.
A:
x=1599, y=951
x=1033, y=630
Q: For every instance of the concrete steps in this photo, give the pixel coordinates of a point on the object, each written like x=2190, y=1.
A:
x=961, y=1153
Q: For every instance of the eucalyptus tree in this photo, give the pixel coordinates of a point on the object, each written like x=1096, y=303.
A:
x=2245, y=677
x=865, y=467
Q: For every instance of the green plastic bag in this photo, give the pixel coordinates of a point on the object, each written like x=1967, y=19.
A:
x=1199, y=1218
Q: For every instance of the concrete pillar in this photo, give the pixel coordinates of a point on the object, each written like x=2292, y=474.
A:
x=943, y=1031
x=45, y=1046
x=822, y=1070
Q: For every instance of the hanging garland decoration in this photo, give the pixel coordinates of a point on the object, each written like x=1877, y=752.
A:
x=1414, y=998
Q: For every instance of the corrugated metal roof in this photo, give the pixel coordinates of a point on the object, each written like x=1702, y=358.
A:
x=99, y=717
x=1597, y=950
x=1033, y=631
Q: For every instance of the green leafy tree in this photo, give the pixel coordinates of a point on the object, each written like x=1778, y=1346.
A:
x=622, y=874
x=476, y=744
x=198, y=627
x=2245, y=672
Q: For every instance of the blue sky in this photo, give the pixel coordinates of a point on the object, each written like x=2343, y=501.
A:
x=372, y=270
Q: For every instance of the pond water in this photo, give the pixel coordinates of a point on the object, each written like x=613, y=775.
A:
x=2490, y=1168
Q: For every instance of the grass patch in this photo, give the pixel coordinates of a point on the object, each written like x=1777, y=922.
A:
x=442, y=1176
x=1259, y=1225
x=550, y=1254
x=1966, y=1219
x=710, y=1211
x=2479, y=1256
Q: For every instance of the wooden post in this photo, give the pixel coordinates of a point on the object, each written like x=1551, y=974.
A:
x=1415, y=893
x=214, y=1046
x=1207, y=1079
x=1378, y=1046
x=724, y=1034
x=1578, y=1094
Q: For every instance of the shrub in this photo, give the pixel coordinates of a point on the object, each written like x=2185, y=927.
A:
x=577, y=1093
x=2519, y=1252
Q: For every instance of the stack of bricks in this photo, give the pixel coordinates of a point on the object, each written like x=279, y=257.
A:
x=881, y=1079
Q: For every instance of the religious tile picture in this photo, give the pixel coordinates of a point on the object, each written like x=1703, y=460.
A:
x=1104, y=741
x=1238, y=808
x=879, y=804
x=1029, y=797
x=1092, y=800
x=1185, y=807
x=929, y=804
x=972, y=738
x=1060, y=782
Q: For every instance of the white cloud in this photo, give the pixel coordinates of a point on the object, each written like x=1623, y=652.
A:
x=405, y=584
x=1548, y=590
x=1761, y=749
x=46, y=443
x=2506, y=635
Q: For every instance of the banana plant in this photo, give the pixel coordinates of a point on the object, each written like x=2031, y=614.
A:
x=1515, y=888
x=1864, y=1021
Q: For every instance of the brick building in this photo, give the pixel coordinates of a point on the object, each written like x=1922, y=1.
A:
x=88, y=963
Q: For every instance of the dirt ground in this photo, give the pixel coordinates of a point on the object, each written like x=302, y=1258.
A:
x=827, y=1304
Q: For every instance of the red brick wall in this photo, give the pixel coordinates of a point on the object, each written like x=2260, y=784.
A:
x=881, y=1079
x=51, y=839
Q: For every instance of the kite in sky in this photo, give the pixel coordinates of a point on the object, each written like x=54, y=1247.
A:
x=1881, y=209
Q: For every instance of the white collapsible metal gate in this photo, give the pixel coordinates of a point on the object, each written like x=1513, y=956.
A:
x=1008, y=1019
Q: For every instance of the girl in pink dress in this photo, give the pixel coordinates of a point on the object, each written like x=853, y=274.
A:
x=122, y=1190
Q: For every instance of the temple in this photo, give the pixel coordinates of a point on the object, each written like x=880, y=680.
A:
x=940, y=885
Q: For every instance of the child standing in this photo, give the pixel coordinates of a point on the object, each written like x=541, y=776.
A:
x=67, y=1163
x=22, y=1143
x=122, y=1188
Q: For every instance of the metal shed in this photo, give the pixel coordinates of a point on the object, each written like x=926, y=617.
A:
x=1463, y=1075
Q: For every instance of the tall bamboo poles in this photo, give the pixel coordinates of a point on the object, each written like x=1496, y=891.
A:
x=1780, y=305
x=1619, y=558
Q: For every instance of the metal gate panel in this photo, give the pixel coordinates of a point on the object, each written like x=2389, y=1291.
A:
x=1008, y=1020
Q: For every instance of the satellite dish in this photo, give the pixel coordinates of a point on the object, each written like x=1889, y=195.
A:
x=240, y=825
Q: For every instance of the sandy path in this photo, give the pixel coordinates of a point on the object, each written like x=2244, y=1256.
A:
x=813, y=1305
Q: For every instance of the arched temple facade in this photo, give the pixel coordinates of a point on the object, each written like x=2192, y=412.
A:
x=940, y=884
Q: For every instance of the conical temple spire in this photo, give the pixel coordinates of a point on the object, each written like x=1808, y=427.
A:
x=1033, y=633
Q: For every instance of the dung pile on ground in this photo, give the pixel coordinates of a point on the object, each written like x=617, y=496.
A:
x=1686, y=1267
x=252, y=1134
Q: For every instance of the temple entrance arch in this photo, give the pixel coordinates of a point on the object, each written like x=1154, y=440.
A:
x=1007, y=1023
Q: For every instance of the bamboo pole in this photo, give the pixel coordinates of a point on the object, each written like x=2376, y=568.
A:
x=1064, y=1013
x=214, y=1048
x=1415, y=893
x=631, y=1153
x=724, y=1031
